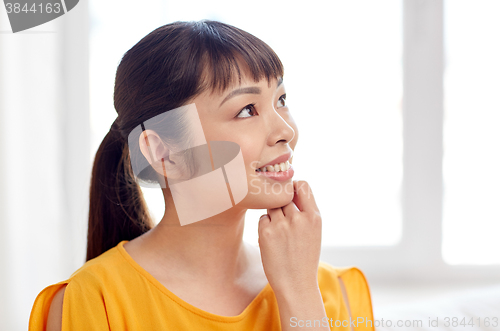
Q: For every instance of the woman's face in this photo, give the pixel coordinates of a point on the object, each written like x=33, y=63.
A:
x=257, y=118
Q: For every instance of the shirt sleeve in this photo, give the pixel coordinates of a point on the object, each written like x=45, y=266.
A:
x=358, y=298
x=41, y=306
x=83, y=305
x=346, y=297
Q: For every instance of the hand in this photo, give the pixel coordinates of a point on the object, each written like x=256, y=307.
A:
x=290, y=243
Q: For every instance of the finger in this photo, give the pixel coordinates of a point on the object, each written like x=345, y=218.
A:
x=290, y=209
x=303, y=198
x=275, y=214
x=295, y=198
x=263, y=221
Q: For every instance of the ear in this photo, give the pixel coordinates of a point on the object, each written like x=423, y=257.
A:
x=159, y=155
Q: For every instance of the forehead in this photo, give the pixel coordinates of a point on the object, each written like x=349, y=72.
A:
x=221, y=77
x=246, y=81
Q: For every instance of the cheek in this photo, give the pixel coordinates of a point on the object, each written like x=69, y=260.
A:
x=251, y=154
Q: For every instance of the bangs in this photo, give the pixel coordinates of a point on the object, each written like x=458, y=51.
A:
x=225, y=49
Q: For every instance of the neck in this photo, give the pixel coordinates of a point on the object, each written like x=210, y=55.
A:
x=212, y=248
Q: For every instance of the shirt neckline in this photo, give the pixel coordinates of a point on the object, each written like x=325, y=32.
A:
x=184, y=304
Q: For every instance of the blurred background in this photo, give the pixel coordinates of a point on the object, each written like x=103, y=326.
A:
x=398, y=107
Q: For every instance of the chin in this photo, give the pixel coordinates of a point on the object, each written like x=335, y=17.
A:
x=278, y=203
x=268, y=200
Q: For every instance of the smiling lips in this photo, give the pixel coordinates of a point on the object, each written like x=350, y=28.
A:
x=278, y=169
x=279, y=175
x=283, y=166
x=277, y=162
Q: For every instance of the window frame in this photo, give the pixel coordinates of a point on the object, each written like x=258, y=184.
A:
x=418, y=255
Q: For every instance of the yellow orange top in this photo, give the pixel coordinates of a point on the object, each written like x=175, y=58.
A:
x=113, y=292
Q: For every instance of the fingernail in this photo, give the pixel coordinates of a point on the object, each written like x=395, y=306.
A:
x=262, y=216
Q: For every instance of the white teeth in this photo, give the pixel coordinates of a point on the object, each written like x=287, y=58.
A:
x=283, y=166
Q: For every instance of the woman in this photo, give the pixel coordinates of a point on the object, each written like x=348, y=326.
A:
x=199, y=274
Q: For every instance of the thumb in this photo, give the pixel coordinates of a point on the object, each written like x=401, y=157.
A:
x=263, y=220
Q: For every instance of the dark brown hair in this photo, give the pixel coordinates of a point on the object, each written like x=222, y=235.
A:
x=163, y=71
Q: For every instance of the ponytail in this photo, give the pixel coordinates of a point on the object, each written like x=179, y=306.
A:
x=117, y=208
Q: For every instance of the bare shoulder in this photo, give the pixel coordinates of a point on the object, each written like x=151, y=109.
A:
x=54, y=320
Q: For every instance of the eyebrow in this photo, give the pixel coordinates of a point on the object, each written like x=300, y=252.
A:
x=244, y=90
x=247, y=90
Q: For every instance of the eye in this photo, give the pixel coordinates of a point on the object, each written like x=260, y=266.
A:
x=281, y=101
x=246, y=109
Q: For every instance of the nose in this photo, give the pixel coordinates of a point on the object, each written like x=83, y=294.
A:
x=279, y=130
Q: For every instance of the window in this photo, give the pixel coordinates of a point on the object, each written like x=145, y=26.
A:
x=471, y=162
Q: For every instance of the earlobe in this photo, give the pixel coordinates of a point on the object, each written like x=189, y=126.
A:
x=159, y=155
x=153, y=148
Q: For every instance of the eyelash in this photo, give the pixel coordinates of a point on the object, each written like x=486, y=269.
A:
x=252, y=106
x=249, y=106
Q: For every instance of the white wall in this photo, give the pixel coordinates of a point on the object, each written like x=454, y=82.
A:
x=44, y=164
